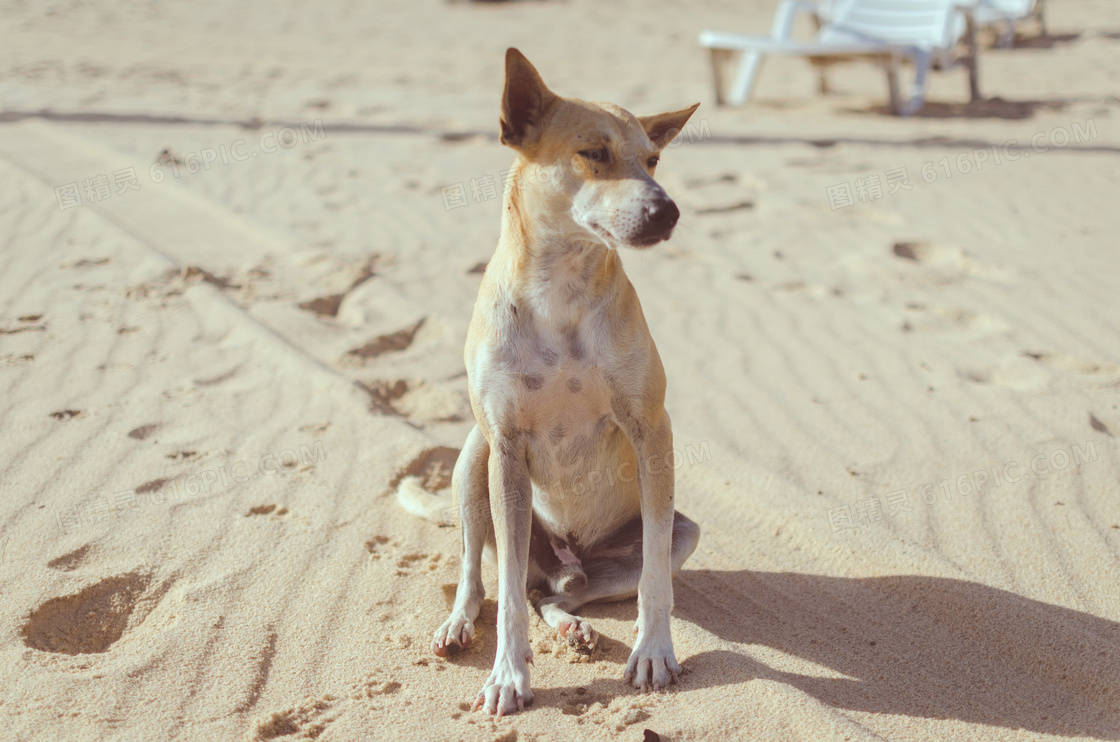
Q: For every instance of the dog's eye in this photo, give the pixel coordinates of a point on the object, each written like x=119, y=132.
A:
x=651, y=163
x=595, y=155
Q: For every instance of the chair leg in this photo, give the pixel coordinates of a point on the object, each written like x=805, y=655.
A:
x=972, y=60
x=743, y=85
x=1007, y=36
x=822, y=71
x=922, y=65
x=897, y=107
x=719, y=57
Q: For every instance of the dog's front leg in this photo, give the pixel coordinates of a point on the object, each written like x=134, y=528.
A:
x=511, y=501
x=653, y=662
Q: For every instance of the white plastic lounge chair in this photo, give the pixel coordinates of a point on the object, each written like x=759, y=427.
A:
x=1006, y=14
x=889, y=32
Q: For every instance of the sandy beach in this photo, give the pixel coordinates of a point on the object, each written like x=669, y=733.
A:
x=241, y=248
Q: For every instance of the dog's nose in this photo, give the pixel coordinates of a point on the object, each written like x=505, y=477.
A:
x=662, y=213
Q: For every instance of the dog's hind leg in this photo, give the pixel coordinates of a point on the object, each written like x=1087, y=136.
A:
x=613, y=571
x=470, y=488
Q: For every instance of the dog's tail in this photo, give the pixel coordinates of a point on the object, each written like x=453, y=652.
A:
x=437, y=509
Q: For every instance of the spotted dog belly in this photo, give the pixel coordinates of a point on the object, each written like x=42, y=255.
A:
x=580, y=462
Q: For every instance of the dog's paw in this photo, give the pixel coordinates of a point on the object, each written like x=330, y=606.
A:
x=581, y=637
x=457, y=632
x=652, y=665
x=507, y=689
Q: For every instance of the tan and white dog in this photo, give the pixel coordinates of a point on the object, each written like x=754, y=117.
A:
x=566, y=476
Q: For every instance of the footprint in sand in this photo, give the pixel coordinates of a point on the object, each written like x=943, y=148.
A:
x=716, y=180
x=308, y=720
x=86, y=263
x=376, y=544
x=433, y=466
x=25, y=326
x=325, y=269
x=266, y=510
x=143, y=431
x=408, y=562
x=154, y=485
x=328, y=305
x=1063, y=362
x=90, y=621
x=723, y=194
x=1012, y=373
x=799, y=287
x=946, y=264
x=192, y=272
x=1098, y=426
x=381, y=546
x=1033, y=370
x=419, y=401
x=372, y=686
x=382, y=395
x=311, y=718
x=945, y=320
x=725, y=208
x=596, y=708
x=393, y=342
x=72, y=560
x=219, y=378
x=170, y=284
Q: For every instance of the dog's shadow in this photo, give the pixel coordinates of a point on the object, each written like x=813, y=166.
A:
x=920, y=646
x=924, y=647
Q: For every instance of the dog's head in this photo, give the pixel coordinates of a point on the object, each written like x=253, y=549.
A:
x=593, y=162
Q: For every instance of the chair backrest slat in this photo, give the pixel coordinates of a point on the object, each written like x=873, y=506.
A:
x=923, y=23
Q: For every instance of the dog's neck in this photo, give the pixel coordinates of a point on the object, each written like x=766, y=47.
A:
x=559, y=271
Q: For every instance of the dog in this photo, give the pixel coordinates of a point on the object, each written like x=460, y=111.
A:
x=566, y=476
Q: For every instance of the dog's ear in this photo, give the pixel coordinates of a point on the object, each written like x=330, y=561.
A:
x=524, y=101
x=662, y=128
